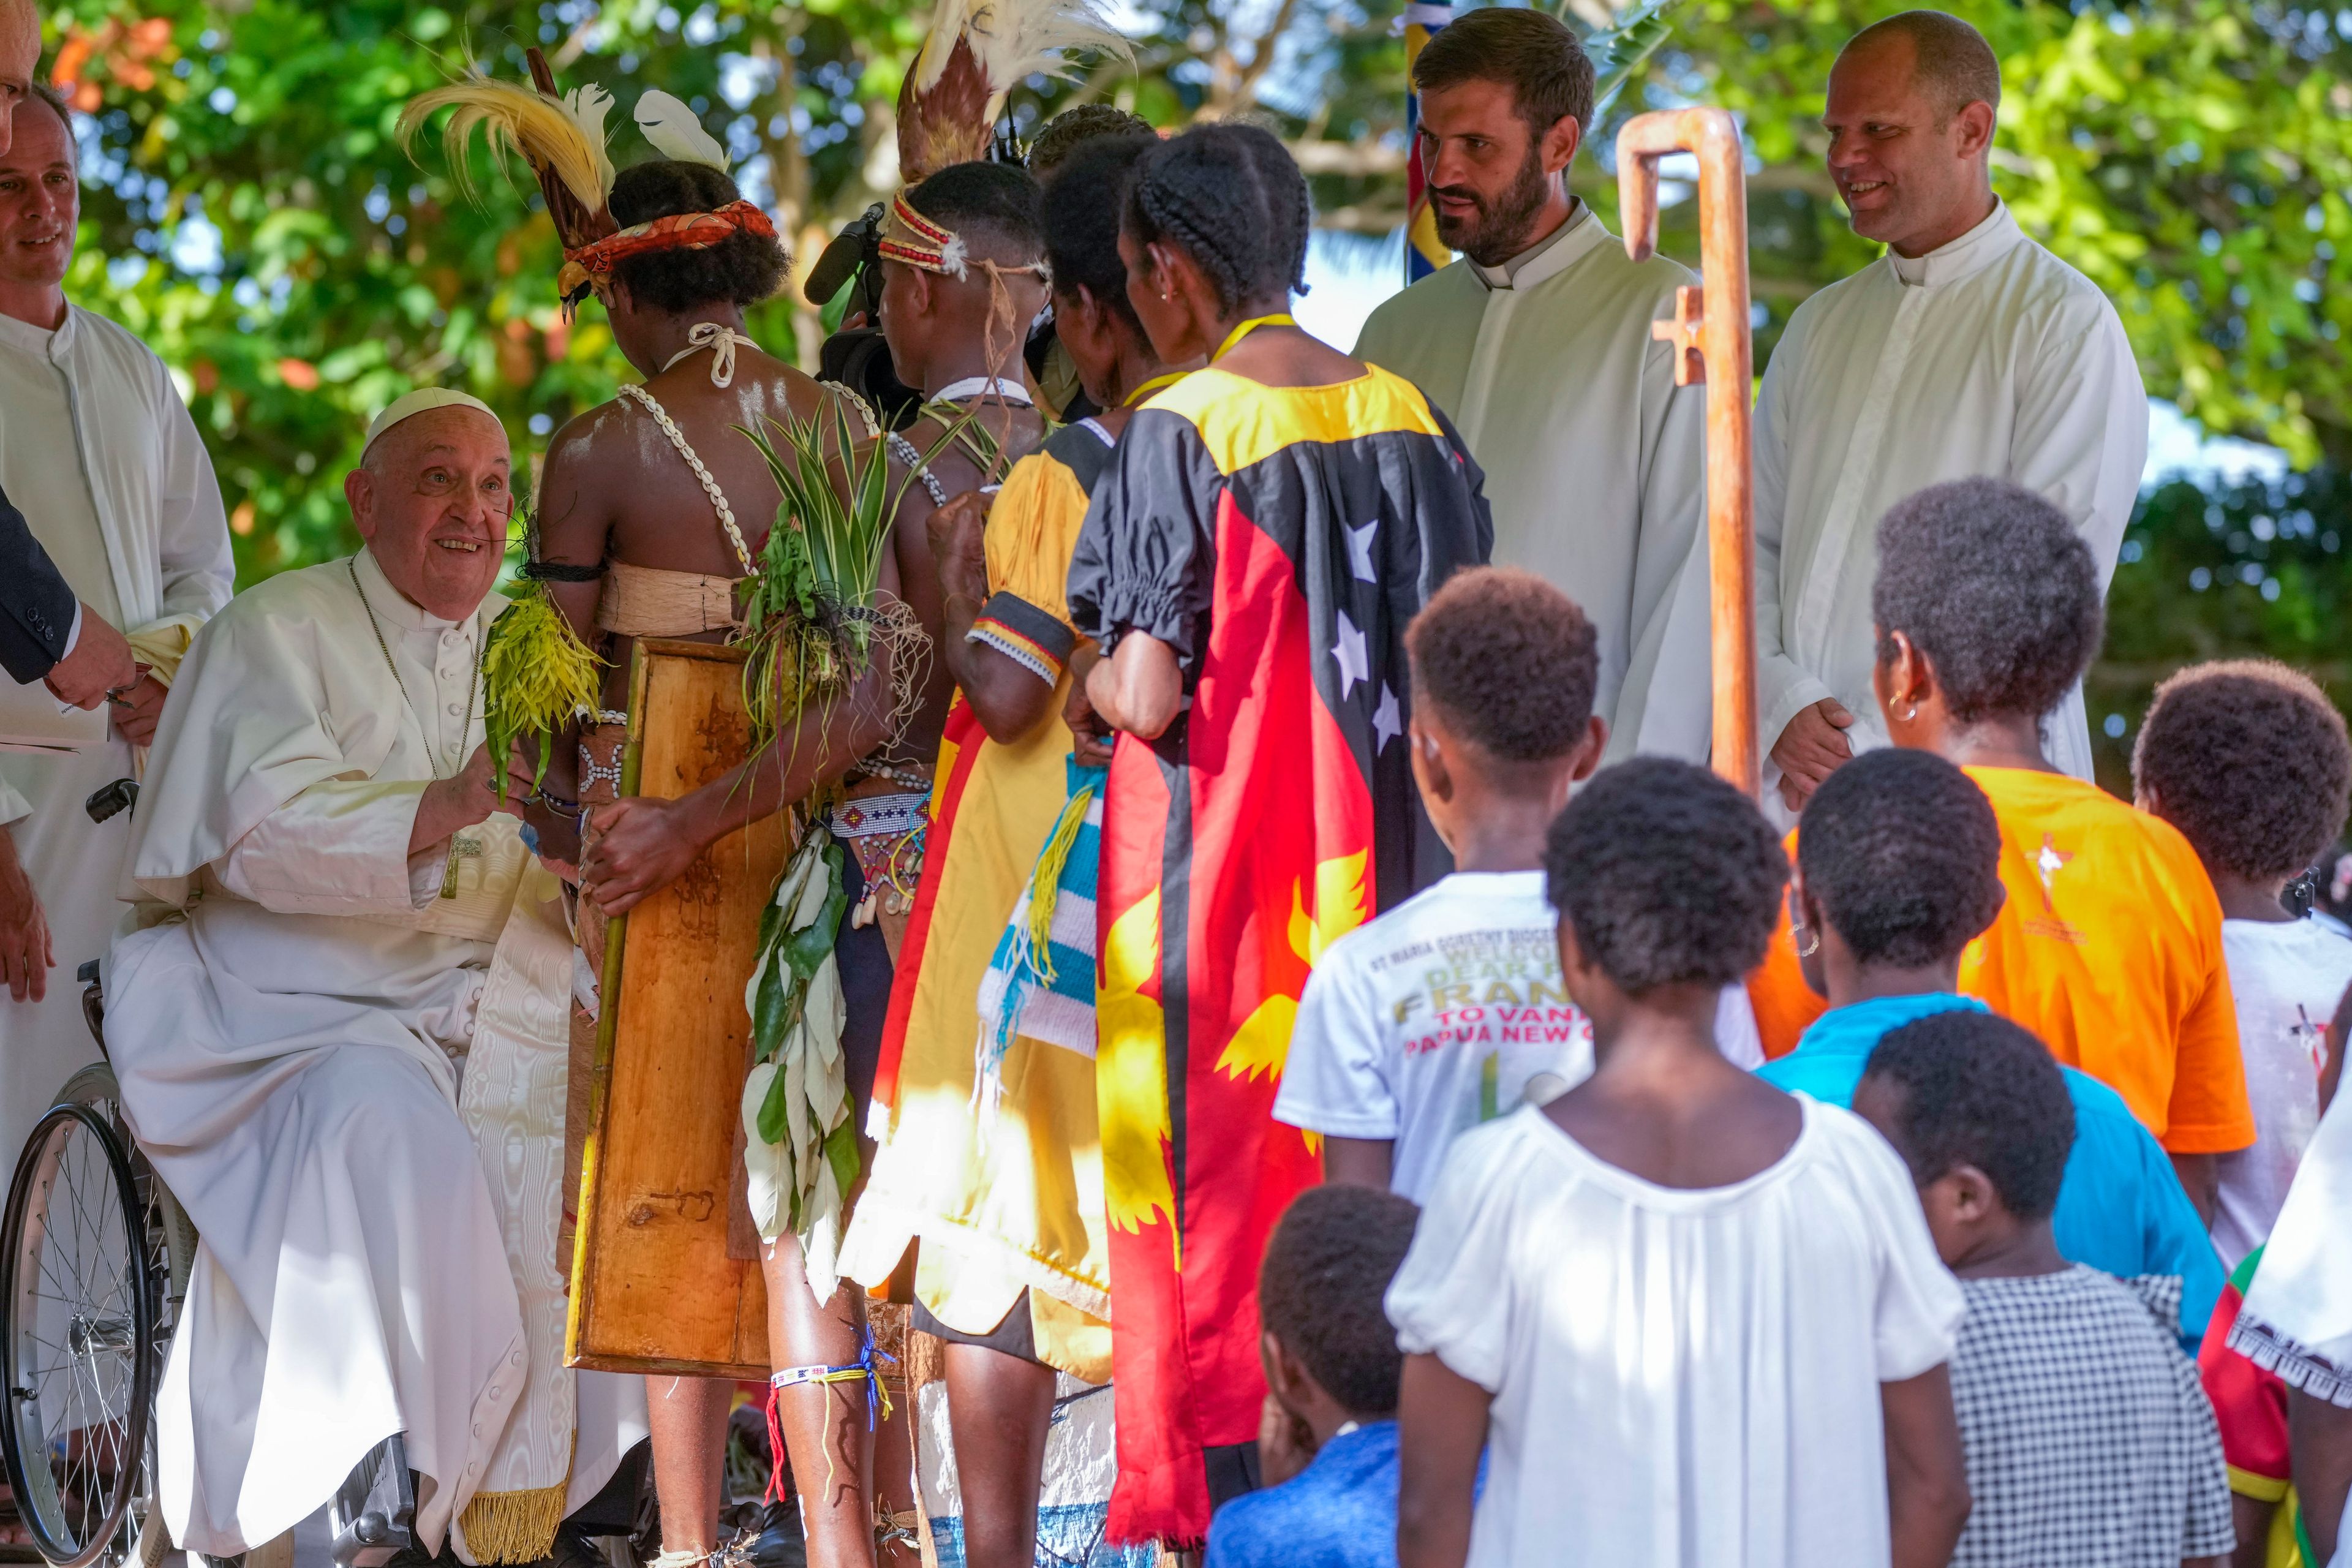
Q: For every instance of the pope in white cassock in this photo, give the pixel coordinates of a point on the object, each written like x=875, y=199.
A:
x=1966, y=350
x=344, y=1041
x=98, y=450
x=1537, y=345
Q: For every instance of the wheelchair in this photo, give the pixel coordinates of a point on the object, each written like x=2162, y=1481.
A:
x=95, y=1255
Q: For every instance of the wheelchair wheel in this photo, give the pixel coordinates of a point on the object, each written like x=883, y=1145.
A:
x=83, y=1271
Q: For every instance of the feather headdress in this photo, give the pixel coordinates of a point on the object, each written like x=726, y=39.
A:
x=561, y=137
x=675, y=132
x=975, y=52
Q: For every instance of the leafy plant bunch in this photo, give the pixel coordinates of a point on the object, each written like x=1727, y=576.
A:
x=537, y=675
x=810, y=617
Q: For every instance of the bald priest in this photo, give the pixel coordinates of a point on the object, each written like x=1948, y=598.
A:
x=343, y=1033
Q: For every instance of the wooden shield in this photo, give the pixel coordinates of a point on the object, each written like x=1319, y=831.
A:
x=654, y=1286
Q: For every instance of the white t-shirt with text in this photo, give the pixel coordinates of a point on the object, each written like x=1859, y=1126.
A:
x=1446, y=1013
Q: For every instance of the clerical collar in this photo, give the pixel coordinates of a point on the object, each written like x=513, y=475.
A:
x=1549, y=257
x=395, y=608
x=38, y=340
x=1971, y=253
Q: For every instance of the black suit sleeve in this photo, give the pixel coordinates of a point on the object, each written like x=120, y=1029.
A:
x=36, y=606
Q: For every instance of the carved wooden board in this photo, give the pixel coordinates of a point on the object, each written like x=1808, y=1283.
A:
x=652, y=1286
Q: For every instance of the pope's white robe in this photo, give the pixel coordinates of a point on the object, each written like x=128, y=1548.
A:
x=1986, y=357
x=98, y=451
x=1595, y=461
x=356, y=1086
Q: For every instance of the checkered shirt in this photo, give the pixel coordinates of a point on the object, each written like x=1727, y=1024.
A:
x=2089, y=1440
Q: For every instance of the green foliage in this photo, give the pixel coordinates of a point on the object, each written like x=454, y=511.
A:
x=537, y=675
x=809, y=623
x=2190, y=156
x=246, y=212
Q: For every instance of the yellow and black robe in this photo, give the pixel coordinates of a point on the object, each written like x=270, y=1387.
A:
x=1278, y=540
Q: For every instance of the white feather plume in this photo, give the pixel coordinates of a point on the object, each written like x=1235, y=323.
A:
x=586, y=108
x=674, y=131
x=1015, y=38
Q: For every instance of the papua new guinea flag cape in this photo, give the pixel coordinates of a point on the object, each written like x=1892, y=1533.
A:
x=1279, y=538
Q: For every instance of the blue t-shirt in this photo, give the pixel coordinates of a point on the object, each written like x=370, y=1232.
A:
x=2121, y=1208
x=1340, y=1512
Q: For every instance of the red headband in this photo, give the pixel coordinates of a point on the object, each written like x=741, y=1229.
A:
x=679, y=231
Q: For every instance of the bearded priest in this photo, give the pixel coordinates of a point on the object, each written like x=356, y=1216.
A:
x=1538, y=343
x=343, y=1038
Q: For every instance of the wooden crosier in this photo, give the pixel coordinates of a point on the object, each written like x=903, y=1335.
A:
x=1709, y=331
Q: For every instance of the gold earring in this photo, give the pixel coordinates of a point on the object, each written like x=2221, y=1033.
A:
x=1911, y=715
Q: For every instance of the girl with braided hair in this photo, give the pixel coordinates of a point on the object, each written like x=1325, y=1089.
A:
x=1267, y=527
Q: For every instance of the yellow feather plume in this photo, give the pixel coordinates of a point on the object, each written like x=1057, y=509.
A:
x=516, y=119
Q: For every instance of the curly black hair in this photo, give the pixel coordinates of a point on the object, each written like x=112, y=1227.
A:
x=1229, y=196
x=1327, y=1266
x=1991, y=583
x=2248, y=758
x=1067, y=131
x=1667, y=874
x=993, y=206
x=1977, y=1090
x=1508, y=659
x=1081, y=213
x=742, y=269
x=1902, y=850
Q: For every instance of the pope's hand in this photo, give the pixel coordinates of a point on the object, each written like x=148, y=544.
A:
x=25, y=953
x=636, y=847
x=1813, y=747
x=451, y=803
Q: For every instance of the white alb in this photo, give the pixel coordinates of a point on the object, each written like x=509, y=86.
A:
x=1986, y=357
x=1595, y=462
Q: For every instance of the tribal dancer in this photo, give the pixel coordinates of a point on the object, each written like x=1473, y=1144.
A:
x=986, y=1098
x=1267, y=528
x=676, y=255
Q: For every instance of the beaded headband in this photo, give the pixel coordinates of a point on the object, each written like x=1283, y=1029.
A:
x=920, y=242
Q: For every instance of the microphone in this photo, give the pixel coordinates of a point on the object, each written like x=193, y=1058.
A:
x=838, y=263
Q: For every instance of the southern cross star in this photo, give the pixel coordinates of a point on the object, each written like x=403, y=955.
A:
x=1349, y=651
x=1387, y=718
x=1360, y=551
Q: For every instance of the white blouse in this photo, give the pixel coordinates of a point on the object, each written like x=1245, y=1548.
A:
x=1682, y=1378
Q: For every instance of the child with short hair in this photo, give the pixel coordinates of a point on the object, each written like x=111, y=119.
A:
x=1898, y=869
x=2249, y=760
x=1441, y=1013
x=1698, y=1321
x=1328, y=1440
x=2090, y=1443
x=1448, y=1011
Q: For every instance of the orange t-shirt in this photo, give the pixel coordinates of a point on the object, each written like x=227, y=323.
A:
x=2109, y=948
x=1784, y=1005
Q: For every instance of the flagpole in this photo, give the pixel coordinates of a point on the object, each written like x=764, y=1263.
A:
x=1424, y=253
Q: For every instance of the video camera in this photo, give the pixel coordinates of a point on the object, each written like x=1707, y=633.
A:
x=858, y=357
